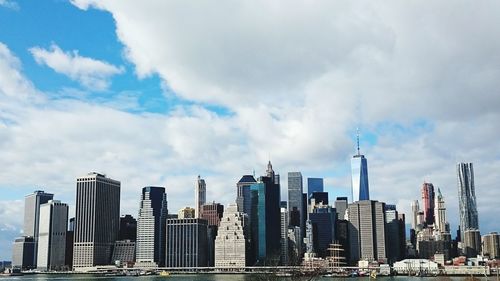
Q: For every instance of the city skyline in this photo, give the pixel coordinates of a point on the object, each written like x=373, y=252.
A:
x=224, y=97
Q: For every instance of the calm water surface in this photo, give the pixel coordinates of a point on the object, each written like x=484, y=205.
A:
x=215, y=277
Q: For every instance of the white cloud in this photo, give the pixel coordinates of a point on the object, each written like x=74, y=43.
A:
x=12, y=82
x=302, y=77
x=9, y=4
x=91, y=73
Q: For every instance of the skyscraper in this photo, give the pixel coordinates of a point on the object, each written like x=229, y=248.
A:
x=393, y=233
x=491, y=245
x=150, y=245
x=230, y=244
x=472, y=243
x=52, y=235
x=440, y=213
x=97, y=219
x=359, y=180
x=323, y=219
x=295, y=212
x=467, y=197
x=341, y=207
x=186, y=243
x=314, y=185
x=415, y=209
x=32, y=204
x=200, y=196
x=243, y=193
x=213, y=213
x=265, y=220
x=284, y=236
x=428, y=201
x=367, y=231
x=128, y=228
x=23, y=250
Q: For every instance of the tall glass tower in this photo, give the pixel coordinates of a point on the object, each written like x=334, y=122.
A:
x=359, y=182
x=467, y=197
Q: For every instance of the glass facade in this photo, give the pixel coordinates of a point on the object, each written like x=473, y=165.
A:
x=323, y=227
x=265, y=221
x=467, y=197
x=314, y=185
x=295, y=199
x=359, y=168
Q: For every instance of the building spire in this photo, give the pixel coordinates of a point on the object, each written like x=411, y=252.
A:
x=270, y=171
x=357, y=139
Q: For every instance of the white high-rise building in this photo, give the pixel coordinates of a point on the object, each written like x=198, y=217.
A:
x=284, y=237
x=415, y=209
x=440, y=213
x=200, y=197
x=52, y=235
x=151, y=221
x=32, y=204
x=230, y=245
x=97, y=220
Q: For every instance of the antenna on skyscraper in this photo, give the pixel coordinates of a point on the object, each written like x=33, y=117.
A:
x=357, y=138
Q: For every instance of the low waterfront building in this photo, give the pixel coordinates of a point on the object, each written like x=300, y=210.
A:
x=416, y=266
x=124, y=252
x=467, y=270
x=22, y=253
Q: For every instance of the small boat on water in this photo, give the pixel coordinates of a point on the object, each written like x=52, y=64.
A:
x=12, y=272
x=164, y=273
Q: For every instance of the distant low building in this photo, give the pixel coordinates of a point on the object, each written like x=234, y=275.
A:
x=22, y=253
x=186, y=213
x=124, y=252
x=491, y=245
x=471, y=242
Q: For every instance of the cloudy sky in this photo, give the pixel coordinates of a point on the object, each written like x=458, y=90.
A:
x=157, y=92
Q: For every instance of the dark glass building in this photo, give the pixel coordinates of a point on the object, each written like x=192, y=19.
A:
x=318, y=197
x=314, y=185
x=243, y=193
x=265, y=221
x=128, y=228
x=467, y=198
x=323, y=225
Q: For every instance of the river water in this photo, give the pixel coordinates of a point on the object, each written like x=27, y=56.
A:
x=221, y=277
